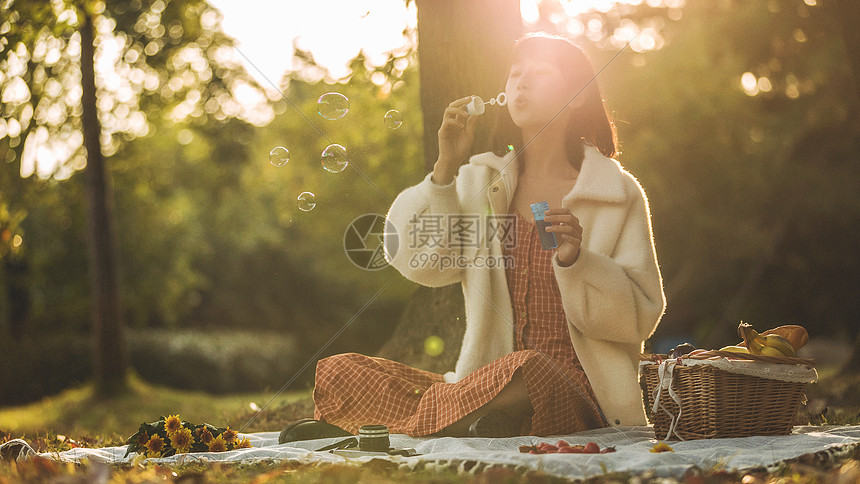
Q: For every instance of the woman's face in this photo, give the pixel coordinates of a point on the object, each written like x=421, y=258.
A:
x=537, y=91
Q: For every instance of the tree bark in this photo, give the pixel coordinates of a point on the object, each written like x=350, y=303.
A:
x=463, y=49
x=431, y=311
x=110, y=360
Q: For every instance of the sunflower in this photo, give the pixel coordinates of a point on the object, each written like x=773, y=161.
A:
x=217, y=444
x=244, y=443
x=229, y=435
x=172, y=424
x=181, y=440
x=154, y=446
x=203, y=435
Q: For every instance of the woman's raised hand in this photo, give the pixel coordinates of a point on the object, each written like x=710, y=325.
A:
x=568, y=233
x=455, y=140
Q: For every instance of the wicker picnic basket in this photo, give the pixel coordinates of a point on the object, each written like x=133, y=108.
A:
x=706, y=401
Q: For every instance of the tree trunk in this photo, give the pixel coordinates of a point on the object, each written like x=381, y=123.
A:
x=109, y=344
x=431, y=311
x=463, y=49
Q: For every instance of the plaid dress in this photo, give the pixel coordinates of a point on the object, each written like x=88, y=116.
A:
x=352, y=390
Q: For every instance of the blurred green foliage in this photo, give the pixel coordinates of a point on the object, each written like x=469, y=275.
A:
x=209, y=231
x=752, y=187
x=753, y=194
x=753, y=197
x=219, y=361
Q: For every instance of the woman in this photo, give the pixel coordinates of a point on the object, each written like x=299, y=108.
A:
x=551, y=344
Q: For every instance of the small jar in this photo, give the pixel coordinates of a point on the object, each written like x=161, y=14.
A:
x=373, y=438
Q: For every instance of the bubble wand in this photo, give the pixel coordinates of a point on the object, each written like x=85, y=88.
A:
x=477, y=105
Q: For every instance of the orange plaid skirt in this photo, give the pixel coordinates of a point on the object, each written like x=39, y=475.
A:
x=352, y=390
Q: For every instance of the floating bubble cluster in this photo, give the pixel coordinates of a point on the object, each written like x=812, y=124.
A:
x=306, y=201
x=334, y=159
x=332, y=105
x=393, y=119
x=279, y=156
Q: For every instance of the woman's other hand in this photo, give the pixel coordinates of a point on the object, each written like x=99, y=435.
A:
x=568, y=234
x=455, y=140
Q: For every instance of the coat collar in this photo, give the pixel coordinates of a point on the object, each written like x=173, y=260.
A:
x=600, y=179
x=503, y=183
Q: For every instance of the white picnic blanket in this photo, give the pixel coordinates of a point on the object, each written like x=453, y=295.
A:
x=632, y=454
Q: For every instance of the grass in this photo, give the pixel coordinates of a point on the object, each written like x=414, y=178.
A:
x=76, y=417
x=77, y=412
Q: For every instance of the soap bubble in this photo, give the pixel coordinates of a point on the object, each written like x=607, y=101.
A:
x=434, y=346
x=306, y=201
x=332, y=105
x=279, y=156
x=334, y=159
x=393, y=119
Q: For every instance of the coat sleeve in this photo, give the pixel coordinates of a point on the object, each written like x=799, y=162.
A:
x=419, y=218
x=618, y=297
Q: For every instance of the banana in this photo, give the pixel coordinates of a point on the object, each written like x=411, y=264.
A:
x=779, y=343
x=752, y=340
x=771, y=351
x=736, y=349
x=769, y=345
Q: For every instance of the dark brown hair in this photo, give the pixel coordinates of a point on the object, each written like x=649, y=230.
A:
x=591, y=123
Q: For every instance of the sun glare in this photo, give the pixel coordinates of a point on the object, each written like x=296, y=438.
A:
x=334, y=31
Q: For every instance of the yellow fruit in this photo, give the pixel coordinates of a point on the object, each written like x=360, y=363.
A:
x=778, y=342
x=771, y=351
x=752, y=339
x=736, y=349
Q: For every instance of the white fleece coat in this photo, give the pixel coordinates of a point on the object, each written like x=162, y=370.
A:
x=612, y=295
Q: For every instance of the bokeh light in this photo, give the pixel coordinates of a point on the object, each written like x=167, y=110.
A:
x=434, y=345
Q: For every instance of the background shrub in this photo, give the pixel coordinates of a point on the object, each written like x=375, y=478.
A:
x=217, y=362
